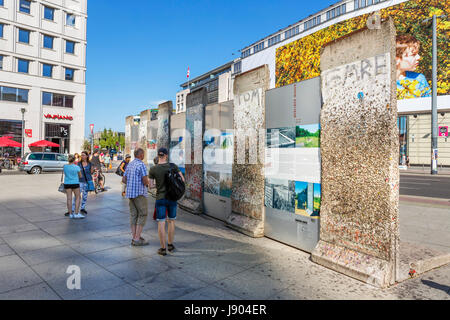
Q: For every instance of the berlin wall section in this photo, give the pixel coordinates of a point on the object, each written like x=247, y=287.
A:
x=196, y=102
x=247, y=192
x=128, y=125
x=359, y=233
x=163, y=135
x=145, y=117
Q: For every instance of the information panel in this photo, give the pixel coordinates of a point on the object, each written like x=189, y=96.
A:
x=292, y=192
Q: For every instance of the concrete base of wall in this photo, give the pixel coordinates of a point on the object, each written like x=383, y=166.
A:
x=420, y=259
x=246, y=225
x=354, y=264
x=191, y=206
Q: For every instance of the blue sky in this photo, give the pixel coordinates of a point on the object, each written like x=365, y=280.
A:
x=138, y=51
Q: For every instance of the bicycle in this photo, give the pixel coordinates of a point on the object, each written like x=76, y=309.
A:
x=95, y=176
x=5, y=164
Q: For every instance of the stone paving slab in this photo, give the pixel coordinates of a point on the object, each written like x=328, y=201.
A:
x=169, y=285
x=124, y=292
x=46, y=255
x=17, y=278
x=5, y=250
x=31, y=240
x=209, y=293
x=40, y=291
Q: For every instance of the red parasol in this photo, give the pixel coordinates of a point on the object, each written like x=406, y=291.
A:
x=43, y=143
x=4, y=142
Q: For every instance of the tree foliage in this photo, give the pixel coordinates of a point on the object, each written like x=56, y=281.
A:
x=108, y=140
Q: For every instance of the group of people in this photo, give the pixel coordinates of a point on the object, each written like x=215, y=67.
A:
x=137, y=182
x=78, y=181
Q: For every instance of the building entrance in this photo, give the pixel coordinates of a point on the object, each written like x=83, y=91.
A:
x=60, y=134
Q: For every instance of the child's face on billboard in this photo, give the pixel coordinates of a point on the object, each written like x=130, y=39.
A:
x=409, y=60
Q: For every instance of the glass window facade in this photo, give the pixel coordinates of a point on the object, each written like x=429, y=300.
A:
x=273, y=40
x=311, y=23
x=1, y=62
x=47, y=70
x=23, y=66
x=11, y=128
x=402, y=123
x=69, y=74
x=57, y=100
x=13, y=94
x=49, y=13
x=48, y=42
x=24, y=36
x=70, y=20
x=1, y=29
x=70, y=47
x=258, y=47
x=25, y=6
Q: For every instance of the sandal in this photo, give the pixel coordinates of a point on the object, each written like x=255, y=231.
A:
x=139, y=243
x=162, y=251
x=171, y=247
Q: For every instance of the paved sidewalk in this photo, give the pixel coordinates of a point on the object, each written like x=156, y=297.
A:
x=37, y=244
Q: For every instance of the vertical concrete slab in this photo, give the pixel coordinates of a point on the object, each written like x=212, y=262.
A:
x=359, y=233
x=195, y=127
x=247, y=197
x=128, y=124
x=163, y=135
x=145, y=117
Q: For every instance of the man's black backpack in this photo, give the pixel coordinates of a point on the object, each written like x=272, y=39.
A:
x=175, y=186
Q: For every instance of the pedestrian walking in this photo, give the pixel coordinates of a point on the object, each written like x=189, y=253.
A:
x=159, y=175
x=77, y=159
x=86, y=183
x=96, y=162
x=107, y=161
x=121, y=170
x=137, y=182
x=72, y=175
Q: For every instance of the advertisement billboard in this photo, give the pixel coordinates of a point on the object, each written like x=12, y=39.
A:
x=300, y=59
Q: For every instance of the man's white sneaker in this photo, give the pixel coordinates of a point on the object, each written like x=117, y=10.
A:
x=79, y=216
x=71, y=216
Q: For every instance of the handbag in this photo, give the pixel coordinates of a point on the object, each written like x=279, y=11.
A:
x=90, y=184
x=61, y=186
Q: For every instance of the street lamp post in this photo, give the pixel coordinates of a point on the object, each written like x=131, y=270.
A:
x=23, y=110
x=434, y=122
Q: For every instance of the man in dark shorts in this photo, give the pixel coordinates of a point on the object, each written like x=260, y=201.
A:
x=96, y=163
x=157, y=174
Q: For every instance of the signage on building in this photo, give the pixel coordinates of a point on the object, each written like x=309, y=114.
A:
x=443, y=131
x=57, y=116
x=63, y=132
x=29, y=133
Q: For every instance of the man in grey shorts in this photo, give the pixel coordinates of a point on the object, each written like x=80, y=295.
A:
x=137, y=182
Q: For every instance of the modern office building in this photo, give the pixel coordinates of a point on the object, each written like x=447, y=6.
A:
x=43, y=71
x=218, y=83
x=293, y=54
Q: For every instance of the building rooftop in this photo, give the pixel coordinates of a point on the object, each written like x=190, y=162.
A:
x=208, y=74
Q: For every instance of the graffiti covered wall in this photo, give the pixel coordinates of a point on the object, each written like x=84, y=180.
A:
x=247, y=192
x=195, y=116
x=359, y=149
